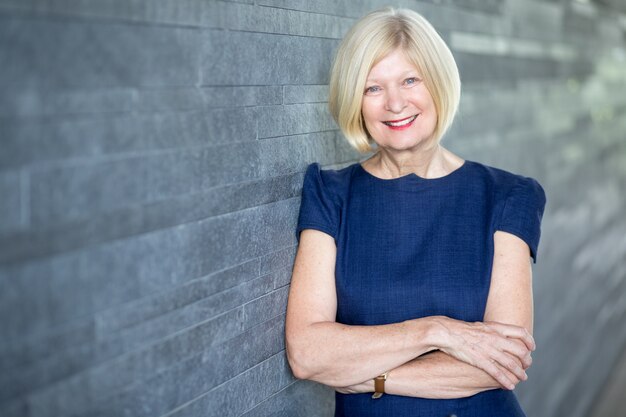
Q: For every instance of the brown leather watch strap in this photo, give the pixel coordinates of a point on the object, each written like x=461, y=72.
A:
x=379, y=385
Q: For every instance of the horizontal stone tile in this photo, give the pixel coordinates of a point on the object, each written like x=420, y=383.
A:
x=78, y=393
x=489, y=6
x=475, y=16
x=18, y=408
x=196, y=375
x=243, y=392
x=134, y=325
x=208, y=308
x=240, y=96
x=504, y=71
x=27, y=351
x=55, y=140
x=13, y=208
x=18, y=383
x=227, y=14
x=284, y=59
x=130, y=104
x=501, y=110
x=32, y=102
x=30, y=315
x=282, y=277
x=49, y=54
x=461, y=17
x=265, y=307
x=536, y=19
x=294, y=94
x=156, y=305
x=250, y=18
x=278, y=260
x=191, y=12
x=168, y=99
x=80, y=191
x=581, y=21
x=302, y=398
x=294, y=119
x=94, y=279
x=137, y=219
x=335, y=8
x=294, y=153
x=490, y=45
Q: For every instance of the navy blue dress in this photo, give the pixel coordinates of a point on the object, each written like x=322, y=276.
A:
x=413, y=247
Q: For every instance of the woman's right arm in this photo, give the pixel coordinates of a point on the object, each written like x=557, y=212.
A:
x=320, y=349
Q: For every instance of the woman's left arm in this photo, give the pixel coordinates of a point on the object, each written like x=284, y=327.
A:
x=510, y=301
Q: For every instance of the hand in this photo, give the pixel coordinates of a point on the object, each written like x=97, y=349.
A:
x=511, y=377
x=501, y=350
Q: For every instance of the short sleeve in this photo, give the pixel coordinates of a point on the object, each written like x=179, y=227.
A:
x=523, y=212
x=318, y=208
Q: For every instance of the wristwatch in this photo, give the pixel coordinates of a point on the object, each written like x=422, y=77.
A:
x=379, y=385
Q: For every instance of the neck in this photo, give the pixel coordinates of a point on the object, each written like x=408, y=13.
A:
x=427, y=163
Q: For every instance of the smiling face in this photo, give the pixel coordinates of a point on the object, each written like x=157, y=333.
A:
x=397, y=108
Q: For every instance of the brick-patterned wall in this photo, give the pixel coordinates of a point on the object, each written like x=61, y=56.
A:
x=151, y=159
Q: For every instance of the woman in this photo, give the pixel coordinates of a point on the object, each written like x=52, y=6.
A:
x=411, y=291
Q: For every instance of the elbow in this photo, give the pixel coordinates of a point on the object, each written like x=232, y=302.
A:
x=297, y=367
x=296, y=357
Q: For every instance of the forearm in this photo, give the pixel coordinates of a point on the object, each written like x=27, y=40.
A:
x=438, y=375
x=435, y=375
x=336, y=354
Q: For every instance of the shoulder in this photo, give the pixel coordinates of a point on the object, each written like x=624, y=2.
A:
x=333, y=181
x=506, y=183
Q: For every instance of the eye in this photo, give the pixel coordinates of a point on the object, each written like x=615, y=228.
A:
x=411, y=80
x=373, y=89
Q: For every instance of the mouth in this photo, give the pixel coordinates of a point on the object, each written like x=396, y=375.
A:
x=402, y=123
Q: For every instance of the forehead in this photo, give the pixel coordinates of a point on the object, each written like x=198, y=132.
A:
x=393, y=64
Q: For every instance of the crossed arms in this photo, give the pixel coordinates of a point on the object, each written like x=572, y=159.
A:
x=431, y=357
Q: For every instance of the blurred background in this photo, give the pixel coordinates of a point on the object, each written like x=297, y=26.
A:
x=151, y=160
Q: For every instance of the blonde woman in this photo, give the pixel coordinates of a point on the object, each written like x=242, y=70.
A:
x=411, y=292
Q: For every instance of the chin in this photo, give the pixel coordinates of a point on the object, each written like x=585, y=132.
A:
x=402, y=145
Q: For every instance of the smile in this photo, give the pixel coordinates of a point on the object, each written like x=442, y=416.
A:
x=401, y=123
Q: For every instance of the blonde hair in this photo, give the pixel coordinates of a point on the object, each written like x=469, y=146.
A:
x=371, y=39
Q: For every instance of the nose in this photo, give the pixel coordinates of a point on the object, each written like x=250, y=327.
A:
x=395, y=100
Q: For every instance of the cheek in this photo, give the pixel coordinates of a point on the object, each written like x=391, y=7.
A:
x=369, y=113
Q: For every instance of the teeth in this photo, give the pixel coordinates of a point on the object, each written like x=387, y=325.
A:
x=401, y=123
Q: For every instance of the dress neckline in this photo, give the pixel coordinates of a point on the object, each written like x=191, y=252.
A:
x=413, y=176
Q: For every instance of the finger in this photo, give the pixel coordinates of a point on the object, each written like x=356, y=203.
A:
x=516, y=332
x=511, y=364
x=510, y=377
x=518, y=362
x=524, y=362
x=527, y=360
x=517, y=349
x=505, y=379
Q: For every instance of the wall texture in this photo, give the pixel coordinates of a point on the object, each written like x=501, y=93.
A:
x=151, y=159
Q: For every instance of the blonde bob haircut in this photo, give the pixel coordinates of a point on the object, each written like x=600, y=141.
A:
x=371, y=39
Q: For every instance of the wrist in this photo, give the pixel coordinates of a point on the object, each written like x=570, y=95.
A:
x=379, y=385
x=428, y=334
x=439, y=332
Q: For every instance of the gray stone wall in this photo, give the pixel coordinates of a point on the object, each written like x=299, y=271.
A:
x=151, y=159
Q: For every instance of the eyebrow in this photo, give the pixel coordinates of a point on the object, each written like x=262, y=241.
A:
x=404, y=74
